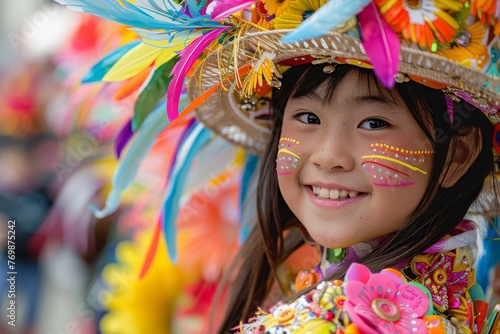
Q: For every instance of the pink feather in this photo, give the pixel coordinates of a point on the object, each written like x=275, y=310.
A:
x=224, y=8
x=381, y=44
x=187, y=58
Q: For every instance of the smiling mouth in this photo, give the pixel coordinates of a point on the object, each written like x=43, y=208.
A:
x=326, y=193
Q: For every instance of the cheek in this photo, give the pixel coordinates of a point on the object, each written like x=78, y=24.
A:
x=287, y=158
x=391, y=166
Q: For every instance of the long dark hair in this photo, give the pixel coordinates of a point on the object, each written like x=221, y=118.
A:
x=439, y=210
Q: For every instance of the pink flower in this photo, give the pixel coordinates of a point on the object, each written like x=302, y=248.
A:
x=382, y=303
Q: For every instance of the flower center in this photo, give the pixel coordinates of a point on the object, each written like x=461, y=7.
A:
x=386, y=310
x=439, y=276
x=414, y=4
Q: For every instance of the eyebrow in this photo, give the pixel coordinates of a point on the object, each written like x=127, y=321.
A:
x=313, y=96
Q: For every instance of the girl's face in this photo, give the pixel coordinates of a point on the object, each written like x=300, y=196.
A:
x=354, y=168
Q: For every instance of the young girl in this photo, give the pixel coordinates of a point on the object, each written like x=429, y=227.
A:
x=380, y=138
x=381, y=173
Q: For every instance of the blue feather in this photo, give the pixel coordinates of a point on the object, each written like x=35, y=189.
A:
x=247, y=207
x=150, y=16
x=327, y=17
x=193, y=7
x=192, y=144
x=99, y=70
x=143, y=140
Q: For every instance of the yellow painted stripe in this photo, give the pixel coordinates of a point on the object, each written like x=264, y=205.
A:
x=375, y=156
x=284, y=150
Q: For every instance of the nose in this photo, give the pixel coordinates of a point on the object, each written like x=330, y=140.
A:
x=333, y=152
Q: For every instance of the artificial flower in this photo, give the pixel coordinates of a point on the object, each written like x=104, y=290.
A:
x=469, y=49
x=320, y=311
x=263, y=72
x=296, y=12
x=268, y=10
x=382, y=303
x=446, y=279
x=421, y=21
x=140, y=305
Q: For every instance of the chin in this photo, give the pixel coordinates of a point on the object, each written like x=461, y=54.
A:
x=332, y=242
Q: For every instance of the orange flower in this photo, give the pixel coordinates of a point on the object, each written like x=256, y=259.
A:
x=422, y=21
x=469, y=49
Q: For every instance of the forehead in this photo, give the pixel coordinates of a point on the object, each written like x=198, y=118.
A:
x=355, y=85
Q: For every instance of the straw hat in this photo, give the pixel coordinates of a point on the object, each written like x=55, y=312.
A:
x=461, y=57
x=235, y=51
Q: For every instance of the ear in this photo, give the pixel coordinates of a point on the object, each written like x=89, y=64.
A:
x=461, y=155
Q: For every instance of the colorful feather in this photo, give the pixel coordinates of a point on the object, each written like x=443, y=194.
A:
x=248, y=191
x=99, y=70
x=152, y=93
x=136, y=60
x=153, y=246
x=188, y=56
x=192, y=6
x=193, y=143
x=123, y=138
x=381, y=44
x=154, y=15
x=327, y=17
x=127, y=168
x=133, y=84
x=224, y=8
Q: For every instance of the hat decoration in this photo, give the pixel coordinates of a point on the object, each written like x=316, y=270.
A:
x=236, y=51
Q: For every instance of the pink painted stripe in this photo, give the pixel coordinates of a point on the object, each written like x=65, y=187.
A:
x=284, y=173
x=394, y=185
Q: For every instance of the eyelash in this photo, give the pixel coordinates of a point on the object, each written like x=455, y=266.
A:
x=372, y=120
x=299, y=117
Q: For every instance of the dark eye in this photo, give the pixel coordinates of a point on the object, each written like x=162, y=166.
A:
x=308, y=118
x=373, y=123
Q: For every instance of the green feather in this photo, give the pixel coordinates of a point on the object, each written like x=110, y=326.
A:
x=155, y=90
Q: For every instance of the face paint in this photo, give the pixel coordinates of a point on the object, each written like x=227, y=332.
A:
x=287, y=159
x=390, y=166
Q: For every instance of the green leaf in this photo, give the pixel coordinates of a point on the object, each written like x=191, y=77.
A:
x=155, y=90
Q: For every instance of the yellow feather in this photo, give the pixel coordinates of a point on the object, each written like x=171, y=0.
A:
x=163, y=56
x=132, y=63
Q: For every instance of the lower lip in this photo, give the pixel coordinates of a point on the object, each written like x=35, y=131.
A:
x=332, y=203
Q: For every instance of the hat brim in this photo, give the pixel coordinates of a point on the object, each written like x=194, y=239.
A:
x=221, y=113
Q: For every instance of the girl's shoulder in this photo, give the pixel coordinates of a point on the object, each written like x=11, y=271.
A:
x=435, y=292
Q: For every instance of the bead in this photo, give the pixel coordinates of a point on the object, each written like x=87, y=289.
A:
x=439, y=276
x=286, y=315
x=464, y=38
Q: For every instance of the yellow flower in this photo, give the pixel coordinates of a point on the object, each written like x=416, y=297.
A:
x=140, y=305
x=469, y=49
x=296, y=12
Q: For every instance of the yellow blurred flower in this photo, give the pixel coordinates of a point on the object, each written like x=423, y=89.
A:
x=140, y=305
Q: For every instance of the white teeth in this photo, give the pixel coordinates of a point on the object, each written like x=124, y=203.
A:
x=333, y=193
x=325, y=193
x=353, y=193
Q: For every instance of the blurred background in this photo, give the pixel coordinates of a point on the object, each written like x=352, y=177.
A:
x=61, y=142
